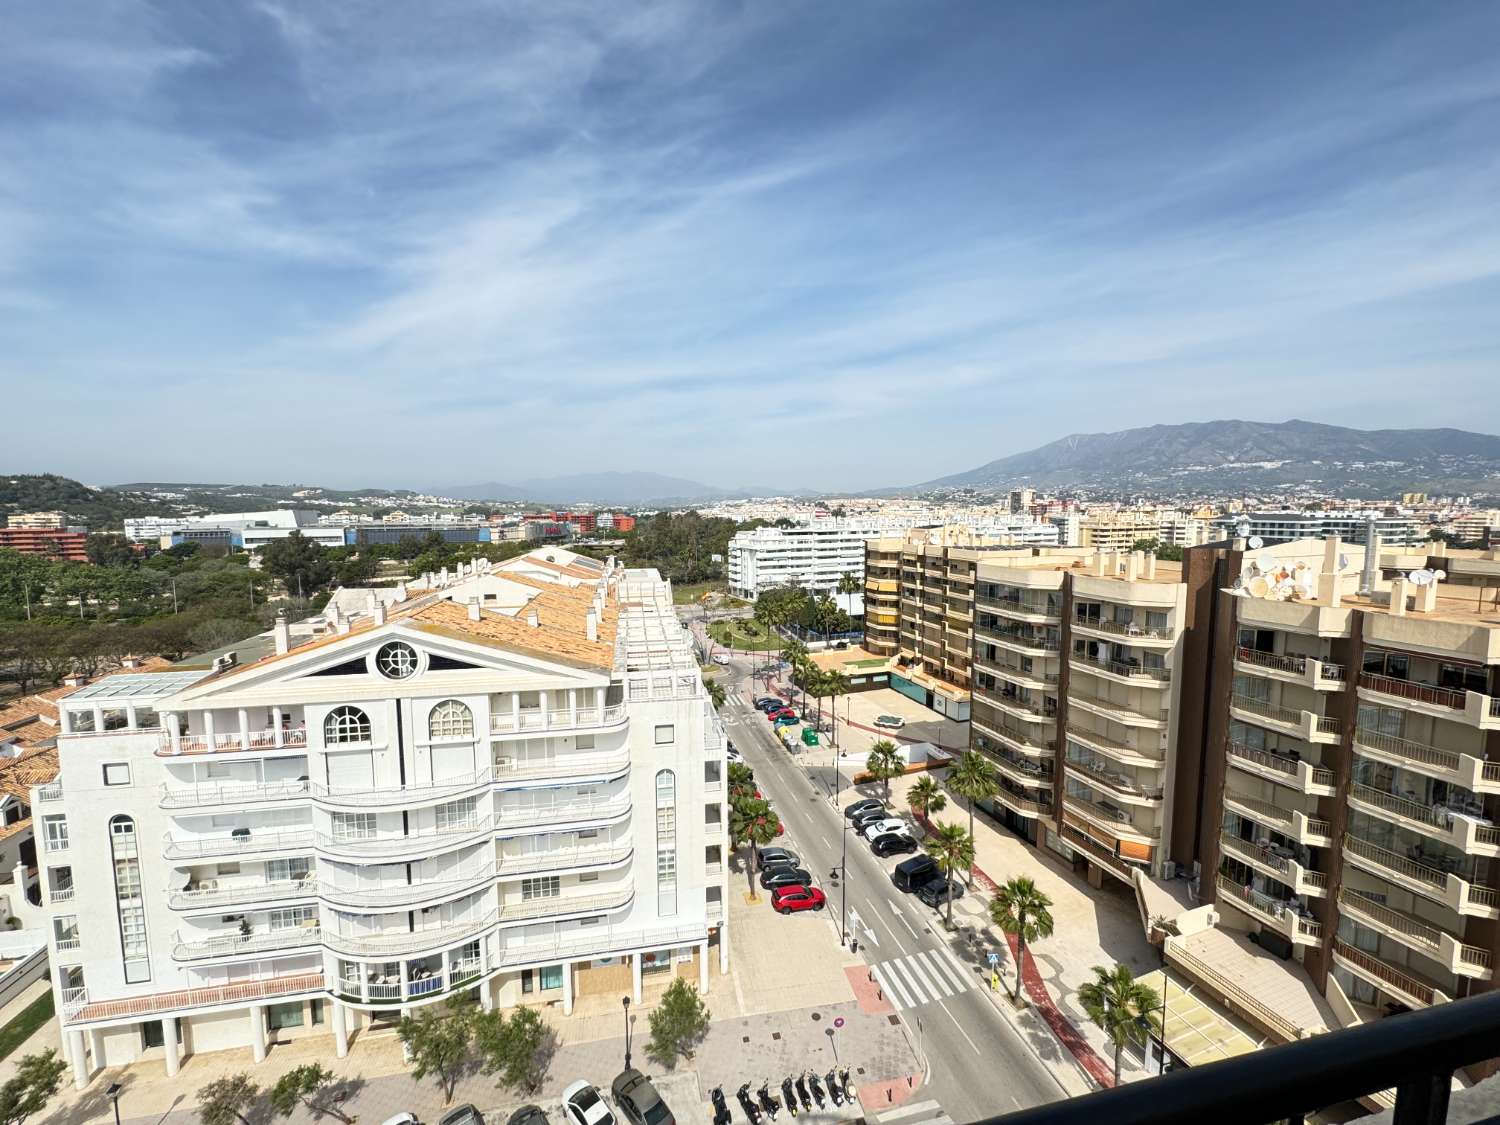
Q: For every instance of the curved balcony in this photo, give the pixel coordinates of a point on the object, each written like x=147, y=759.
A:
x=1431, y=882
x=246, y=945
x=1115, y=822
x=1436, y=699
x=1017, y=640
x=1021, y=709
x=411, y=895
x=386, y=849
x=256, y=741
x=1130, y=634
x=1119, y=786
x=1025, y=773
x=559, y=720
x=212, y=895
x=377, y=990
x=567, y=767
x=562, y=815
x=1416, y=934
x=1036, y=681
x=424, y=793
x=406, y=943
x=566, y=859
x=565, y=906
x=1114, y=748
x=1273, y=913
x=209, y=793
x=241, y=843
x=1014, y=740
x=1037, y=611
x=1292, y=823
x=1268, y=861
x=1120, y=672
x=1410, y=989
x=1280, y=768
x=1116, y=711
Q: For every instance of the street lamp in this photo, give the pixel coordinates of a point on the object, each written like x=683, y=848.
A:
x=113, y=1093
x=625, y=1000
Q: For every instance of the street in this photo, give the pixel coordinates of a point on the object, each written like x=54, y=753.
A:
x=937, y=982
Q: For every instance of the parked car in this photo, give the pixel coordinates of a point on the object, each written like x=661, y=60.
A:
x=912, y=873
x=773, y=877
x=840, y=645
x=869, y=816
x=776, y=857
x=721, y=658
x=401, y=1119
x=893, y=843
x=584, y=1106
x=935, y=892
x=462, y=1115
x=528, y=1115
x=638, y=1099
x=769, y=703
x=889, y=722
x=733, y=755
x=784, y=900
x=786, y=719
x=782, y=713
x=870, y=829
x=869, y=804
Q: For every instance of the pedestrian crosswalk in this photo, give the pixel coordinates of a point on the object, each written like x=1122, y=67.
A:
x=916, y=1113
x=921, y=978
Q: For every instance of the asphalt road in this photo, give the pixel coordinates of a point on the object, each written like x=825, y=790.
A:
x=980, y=1065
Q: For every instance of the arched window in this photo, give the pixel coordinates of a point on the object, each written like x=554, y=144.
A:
x=129, y=904
x=450, y=719
x=346, y=724
x=396, y=660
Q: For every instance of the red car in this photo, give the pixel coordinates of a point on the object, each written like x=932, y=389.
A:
x=784, y=900
x=784, y=713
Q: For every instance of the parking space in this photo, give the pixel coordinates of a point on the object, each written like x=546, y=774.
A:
x=921, y=724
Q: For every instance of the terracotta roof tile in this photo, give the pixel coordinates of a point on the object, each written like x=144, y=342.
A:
x=35, y=767
x=560, y=633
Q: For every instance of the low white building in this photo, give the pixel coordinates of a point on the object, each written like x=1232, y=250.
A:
x=813, y=555
x=510, y=783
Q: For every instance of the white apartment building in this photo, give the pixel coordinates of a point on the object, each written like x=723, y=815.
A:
x=251, y=530
x=509, y=782
x=38, y=521
x=1400, y=530
x=813, y=555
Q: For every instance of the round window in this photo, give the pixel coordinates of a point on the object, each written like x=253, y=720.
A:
x=396, y=660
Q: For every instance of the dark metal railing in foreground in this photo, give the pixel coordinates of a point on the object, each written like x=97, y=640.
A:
x=1416, y=1053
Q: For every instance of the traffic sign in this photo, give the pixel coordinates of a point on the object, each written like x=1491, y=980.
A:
x=993, y=958
x=838, y=1021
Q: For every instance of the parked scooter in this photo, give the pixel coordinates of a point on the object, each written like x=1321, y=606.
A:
x=848, y=1086
x=747, y=1103
x=835, y=1091
x=722, y=1115
x=802, y=1093
x=788, y=1095
x=817, y=1090
x=767, y=1101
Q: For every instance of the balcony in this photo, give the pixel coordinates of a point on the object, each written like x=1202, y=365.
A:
x=1116, y=822
x=78, y=1008
x=1120, y=786
x=1036, y=681
x=213, y=895
x=562, y=906
x=415, y=794
x=246, y=945
x=1433, y=699
x=1466, y=770
x=562, y=813
x=1319, y=675
x=1130, y=632
x=1122, y=672
x=1460, y=895
x=1291, y=823
x=384, y=896
x=557, y=720
x=1114, y=748
x=1268, y=861
x=209, y=793
x=422, y=842
x=1014, y=705
x=607, y=767
x=1466, y=833
x=1020, y=741
x=1077, y=834
x=1022, y=771
x=1035, y=611
x=406, y=943
x=1116, y=711
x=1300, y=724
x=1410, y=989
x=1019, y=640
x=1270, y=912
x=377, y=988
x=233, y=742
x=1280, y=768
x=50, y=792
x=1417, y=934
x=563, y=859
x=242, y=843
x=1025, y=807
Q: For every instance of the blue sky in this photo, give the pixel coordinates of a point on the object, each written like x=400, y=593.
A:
x=791, y=244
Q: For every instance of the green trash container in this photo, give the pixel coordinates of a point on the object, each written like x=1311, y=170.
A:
x=809, y=736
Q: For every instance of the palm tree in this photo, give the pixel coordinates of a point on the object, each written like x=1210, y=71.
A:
x=1020, y=908
x=884, y=763
x=848, y=584
x=1121, y=1006
x=794, y=652
x=741, y=781
x=752, y=824
x=836, y=684
x=975, y=779
x=715, y=692
x=953, y=848
x=927, y=798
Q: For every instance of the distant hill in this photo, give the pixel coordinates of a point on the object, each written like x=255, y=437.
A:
x=624, y=489
x=93, y=507
x=1233, y=456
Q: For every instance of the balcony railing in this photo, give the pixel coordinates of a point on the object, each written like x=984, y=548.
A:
x=1278, y=763
x=50, y=792
x=249, y=843
x=523, y=909
x=350, y=796
x=568, y=765
x=557, y=719
x=1121, y=668
x=1296, y=665
x=1408, y=689
x=1122, y=629
x=1401, y=984
x=1276, y=911
x=1019, y=637
x=230, y=793
x=207, y=896
x=407, y=942
x=365, y=847
x=1266, y=710
x=234, y=740
x=564, y=811
x=376, y=895
x=1440, y=819
x=556, y=859
x=1445, y=760
x=1099, y=774
x=233, y=945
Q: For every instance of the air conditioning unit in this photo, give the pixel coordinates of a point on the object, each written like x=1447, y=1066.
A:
x=1169, y=869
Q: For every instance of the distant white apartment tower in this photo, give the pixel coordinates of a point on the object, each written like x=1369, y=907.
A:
x=1282, y=527
x=509, y=782
x=812, y=555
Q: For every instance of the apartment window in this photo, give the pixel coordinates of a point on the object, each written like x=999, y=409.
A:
x=129, y=906
x=548, y=886
x=346, y=724
x=287, y=870
x=584, y=742
x=55, y=832
x=116, y=773
x=65, y=931
x=293, y=917
x=353, y=825
x=551, y=976
x=279, y=1017
x=450, y=719
x=666, y=843
x=665, y=734
x=458, y=815
x=396, y=660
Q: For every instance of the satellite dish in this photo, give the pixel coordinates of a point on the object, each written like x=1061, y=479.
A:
x=1258, y=587
x=1439, y=575
x=1343, y=562
x=1242, y=528
x=1420, y=578
x=1238, y=585
x=1256, y=542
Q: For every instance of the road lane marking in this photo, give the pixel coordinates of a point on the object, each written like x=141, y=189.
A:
x=907, y=924
x=911, y=979
x=899, y=999
x=958, y=1027
x=944, y=966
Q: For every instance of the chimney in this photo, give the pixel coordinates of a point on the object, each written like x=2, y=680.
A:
x=1438, y=548
x=1099, y=563
x=1133, y=566
x=1398, y=596
x=443, y=577
x=473, y=609
x=401, y=591
x=1148, y=568
x=335, y=618
x=74, y=679
x=379, y=612
x=371, y=601
x=283, y=634
x=1330, y=581
x=1426, y=599
x=533, y=620
x=344, y=626
x=1372, y=561
x=130, y=662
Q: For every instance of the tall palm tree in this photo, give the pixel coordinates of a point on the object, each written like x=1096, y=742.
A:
x=953, y=848
x=741, y=781
x=975, y=779
x=752, y=824
x=1121, y=1006
x=884, y=763
x=926, y=798
x=837, y=684
x=1020, y=908
x=794, y=652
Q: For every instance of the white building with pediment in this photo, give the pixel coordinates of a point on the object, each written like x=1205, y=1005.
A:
x=508, y=781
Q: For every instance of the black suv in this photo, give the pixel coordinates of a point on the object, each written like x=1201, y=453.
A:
x=935, y=893
x=773, y=877
x=893, y=843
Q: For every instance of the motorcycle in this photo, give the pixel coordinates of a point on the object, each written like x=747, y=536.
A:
x=722, y=1115
x=848, y=1086
x=817, y=1090
x=802, y=1093
x=747, y=1103
x=834, y=1090
x=788, y=1095
x=767, y=1101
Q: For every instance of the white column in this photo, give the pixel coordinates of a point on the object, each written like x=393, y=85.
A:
x=208, y=726
x=515, y=710
x=276, y=726
x=487, y=995
x=258, y=1032
x=130, y=716
x=635, y=975
x=65, y=720
x=723, y=947
x=572, y=707
x=173, y=729
x=703, y=967
x=405, y=981
x=340, y=1029
x=567, y=969
x=169, y=1046
x=244, y=717
x=98, y=719
x=80, y=1059
x=96, y=1045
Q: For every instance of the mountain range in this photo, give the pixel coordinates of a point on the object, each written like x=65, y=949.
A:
x=1230, y=457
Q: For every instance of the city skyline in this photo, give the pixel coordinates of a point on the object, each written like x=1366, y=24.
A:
x=762, y=245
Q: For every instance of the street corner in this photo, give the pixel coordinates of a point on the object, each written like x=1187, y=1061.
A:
x=874, y=1097
x=872, y=998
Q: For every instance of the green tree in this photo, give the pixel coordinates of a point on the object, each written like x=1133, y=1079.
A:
x=225, y=1100
x=926, y=798
x=953, y=848
x=298, y=562
x=28, y=1092
x=885, y=762
x=677, y=1023
x=848, y=584
x=437, y=1043
x=752, y=824
x=110, y=550
x=975, y=779
x=1122, y=1007
x=741, y=781
x=515, y=1047
x=312, y=1086
x=837, y=685
x=1020, y=908
x=715, y=691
